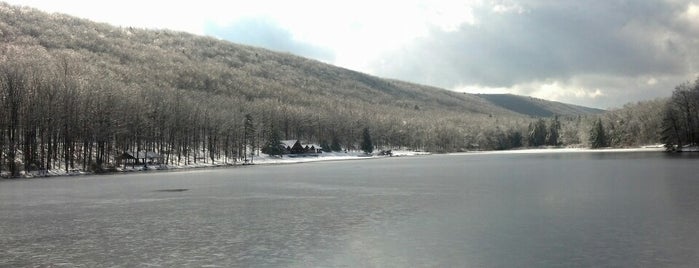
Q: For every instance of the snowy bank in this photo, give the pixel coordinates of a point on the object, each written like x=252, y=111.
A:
x=653, y=148
x=690, y=149
x=331, y=156
x=303, y=158
x=262, y=159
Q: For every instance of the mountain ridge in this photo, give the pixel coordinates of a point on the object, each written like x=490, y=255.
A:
x=537, y=107
x=102, y=38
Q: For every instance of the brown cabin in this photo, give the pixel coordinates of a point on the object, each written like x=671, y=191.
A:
x=296, y=147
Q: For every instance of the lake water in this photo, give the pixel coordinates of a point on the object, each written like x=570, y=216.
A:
x=589, y=209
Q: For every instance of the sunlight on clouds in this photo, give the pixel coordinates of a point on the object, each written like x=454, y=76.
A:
x=551, y=90
x=652, y=81
x=356, y=31
x=557, y=91
x=448, y=15
x=502, y=7
x=359, y=31
x=693, y=11
x=548, y=90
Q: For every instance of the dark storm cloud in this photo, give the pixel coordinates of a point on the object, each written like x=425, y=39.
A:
x=266, y=33
x=553, y=40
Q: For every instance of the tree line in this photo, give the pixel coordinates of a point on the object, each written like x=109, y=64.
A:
x=680, y=118
x=673, y=122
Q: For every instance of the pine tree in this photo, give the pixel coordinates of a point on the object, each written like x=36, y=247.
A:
x=598, y=138
x=537, y=133
x=671, y=130
x=273, y=144
x=326, y=147
x=367, y=145
x=514, y=138
x=335, y=146
x=553, y=132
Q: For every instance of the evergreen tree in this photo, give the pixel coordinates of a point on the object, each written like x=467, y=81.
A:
x=367, y=145
x=553, y=132
x=598, y=137
x=335, y=146
x=514, y=138
x=273, y=144
x=326, y=147
x=537, y=133
x=671, y=131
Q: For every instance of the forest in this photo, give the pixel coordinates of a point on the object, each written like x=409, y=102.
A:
x=75, y=94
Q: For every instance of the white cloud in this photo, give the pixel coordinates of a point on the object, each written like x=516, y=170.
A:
x=693, y=11
x=502, y=7
x=549, y=90
x=558, y=92
x=362, y=30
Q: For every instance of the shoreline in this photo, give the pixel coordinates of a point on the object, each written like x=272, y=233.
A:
x=331, y=157
x=264, y=160
x=566, y=150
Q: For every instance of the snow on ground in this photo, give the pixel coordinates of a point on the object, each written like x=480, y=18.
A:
x=690, y=148
x=408, y=153
x=332, y=156
x=286, y=159
x=262, y=159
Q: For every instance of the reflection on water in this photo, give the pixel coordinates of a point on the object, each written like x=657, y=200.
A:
x=500, y=210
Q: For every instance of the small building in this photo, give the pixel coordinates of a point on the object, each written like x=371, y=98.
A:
x=287, y=145
x=314, y=148
x=296, y=147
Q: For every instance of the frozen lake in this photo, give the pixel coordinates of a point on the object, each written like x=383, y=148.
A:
x=588, y=209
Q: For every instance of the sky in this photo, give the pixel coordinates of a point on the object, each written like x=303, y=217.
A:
x=598, y=53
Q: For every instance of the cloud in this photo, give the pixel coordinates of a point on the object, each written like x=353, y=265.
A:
x=266, y=33
x=555, y=46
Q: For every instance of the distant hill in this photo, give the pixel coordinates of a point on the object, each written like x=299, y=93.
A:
x=164, y=58
x=537, y=107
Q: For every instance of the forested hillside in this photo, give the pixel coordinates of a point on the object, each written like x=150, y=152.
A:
x=75, y=94
x=79, y=93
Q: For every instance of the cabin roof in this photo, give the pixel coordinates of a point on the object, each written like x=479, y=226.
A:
x=290, y=144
